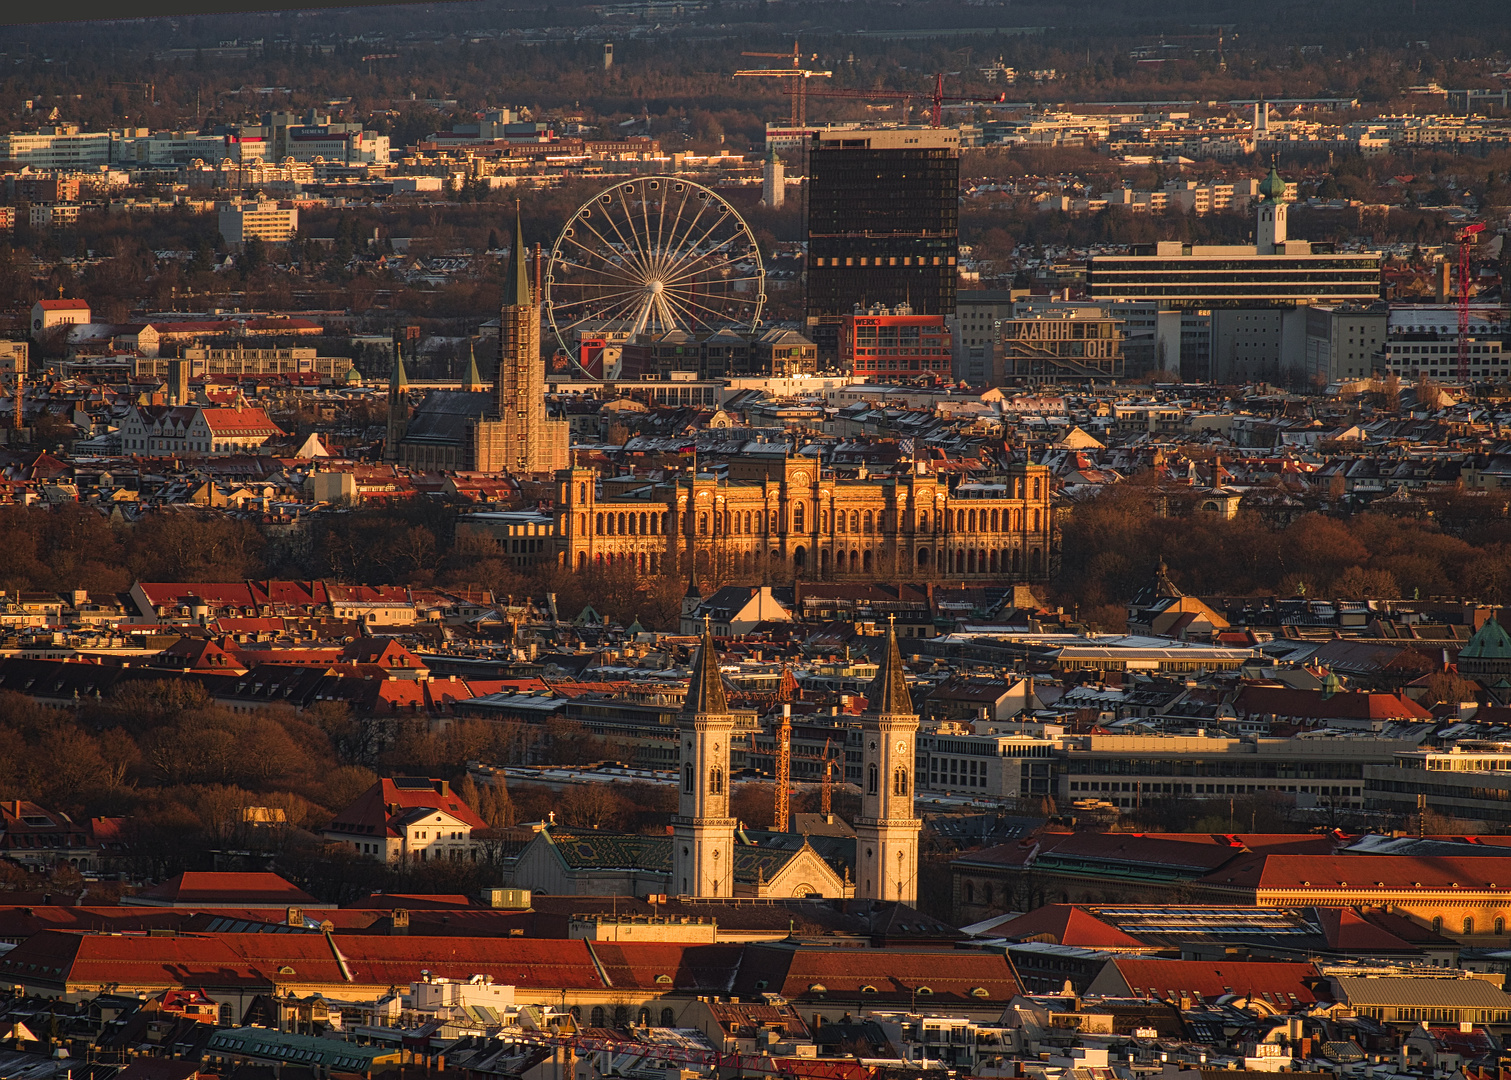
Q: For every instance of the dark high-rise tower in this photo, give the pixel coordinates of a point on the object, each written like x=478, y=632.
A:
x=883, y=214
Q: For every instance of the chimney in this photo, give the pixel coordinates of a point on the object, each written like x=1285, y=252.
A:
x=400, y=923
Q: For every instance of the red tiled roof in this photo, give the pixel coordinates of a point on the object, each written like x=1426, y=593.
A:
x=1362, y=872
x=1167, y=979
x=369, y=814
x=658, y=966
x=226, y=889
x=1315, y=704
x=1348, y=931
x=896, y=976
x=220, y=960
x=1067, y=924
x=63, y=305
x=244, y=421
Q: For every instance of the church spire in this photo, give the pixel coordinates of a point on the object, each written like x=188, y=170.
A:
x=888, y=694
x=517, y=283
x=398, y=379
x=473, y=381
x=705, y=692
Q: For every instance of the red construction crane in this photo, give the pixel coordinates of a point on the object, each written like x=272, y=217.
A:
x=938, y=98
x=1466, y=241
x=797, y=73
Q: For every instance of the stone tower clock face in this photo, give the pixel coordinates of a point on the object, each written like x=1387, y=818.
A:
x=902, y=747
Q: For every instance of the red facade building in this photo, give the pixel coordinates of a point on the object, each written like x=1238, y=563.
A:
x=894, y=343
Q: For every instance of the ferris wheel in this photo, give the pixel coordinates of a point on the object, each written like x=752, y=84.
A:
x=653, y=254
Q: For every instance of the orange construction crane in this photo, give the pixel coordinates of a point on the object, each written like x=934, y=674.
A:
x=781, y=808
x=1466, y=238
x=797, y=73
x=938, y=99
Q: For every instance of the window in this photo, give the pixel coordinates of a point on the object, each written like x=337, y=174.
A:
x=1468, y=925
x=687, y=778
x=900, y=781
x=872, y=781
x=797, y=517
x=716, y=781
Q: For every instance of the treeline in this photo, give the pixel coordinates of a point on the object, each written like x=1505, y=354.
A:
x=1460, y=545
x=59, y=549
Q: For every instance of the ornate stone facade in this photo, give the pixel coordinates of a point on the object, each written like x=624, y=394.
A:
x=777, y=520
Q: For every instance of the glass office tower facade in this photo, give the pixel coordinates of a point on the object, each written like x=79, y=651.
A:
x=883, y=212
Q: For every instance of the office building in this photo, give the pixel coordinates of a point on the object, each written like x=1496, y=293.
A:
x=887, y=344
x=1061, y=343
x=1343, y=341
x=263, y=220
x=973, y=331
x=882, y=217
x=58, y=146
x=1248, y=289
x=1423, y=340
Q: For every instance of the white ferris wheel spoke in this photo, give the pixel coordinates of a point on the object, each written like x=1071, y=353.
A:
x=663, y=267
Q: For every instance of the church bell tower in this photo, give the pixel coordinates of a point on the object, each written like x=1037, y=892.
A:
x=886, y=832
x=703, y=833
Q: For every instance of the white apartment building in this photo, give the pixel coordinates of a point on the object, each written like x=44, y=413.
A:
x=265, y=220
x=1423, y=340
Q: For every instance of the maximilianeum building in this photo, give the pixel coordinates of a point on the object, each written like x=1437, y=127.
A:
x=792, y=518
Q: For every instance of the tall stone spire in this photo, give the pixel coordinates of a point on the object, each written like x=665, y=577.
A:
x=888, y=693
x=517, y=280
x=473, y=382
x=531, y=444
x=398, y=403
x=705, y=692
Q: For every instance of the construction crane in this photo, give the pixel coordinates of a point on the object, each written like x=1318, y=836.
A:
x=797, y=73
x=780, y=807
x=938, y=99
x=826, y=793
x=1466, y=239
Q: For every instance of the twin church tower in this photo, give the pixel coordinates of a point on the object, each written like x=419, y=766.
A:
x=886, y=832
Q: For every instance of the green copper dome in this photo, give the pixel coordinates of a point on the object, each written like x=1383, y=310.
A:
x=1272, y=187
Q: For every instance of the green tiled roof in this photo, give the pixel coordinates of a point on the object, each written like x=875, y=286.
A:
x=1490, y=642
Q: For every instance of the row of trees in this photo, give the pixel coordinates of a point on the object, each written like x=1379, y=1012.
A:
x=1460, y=545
